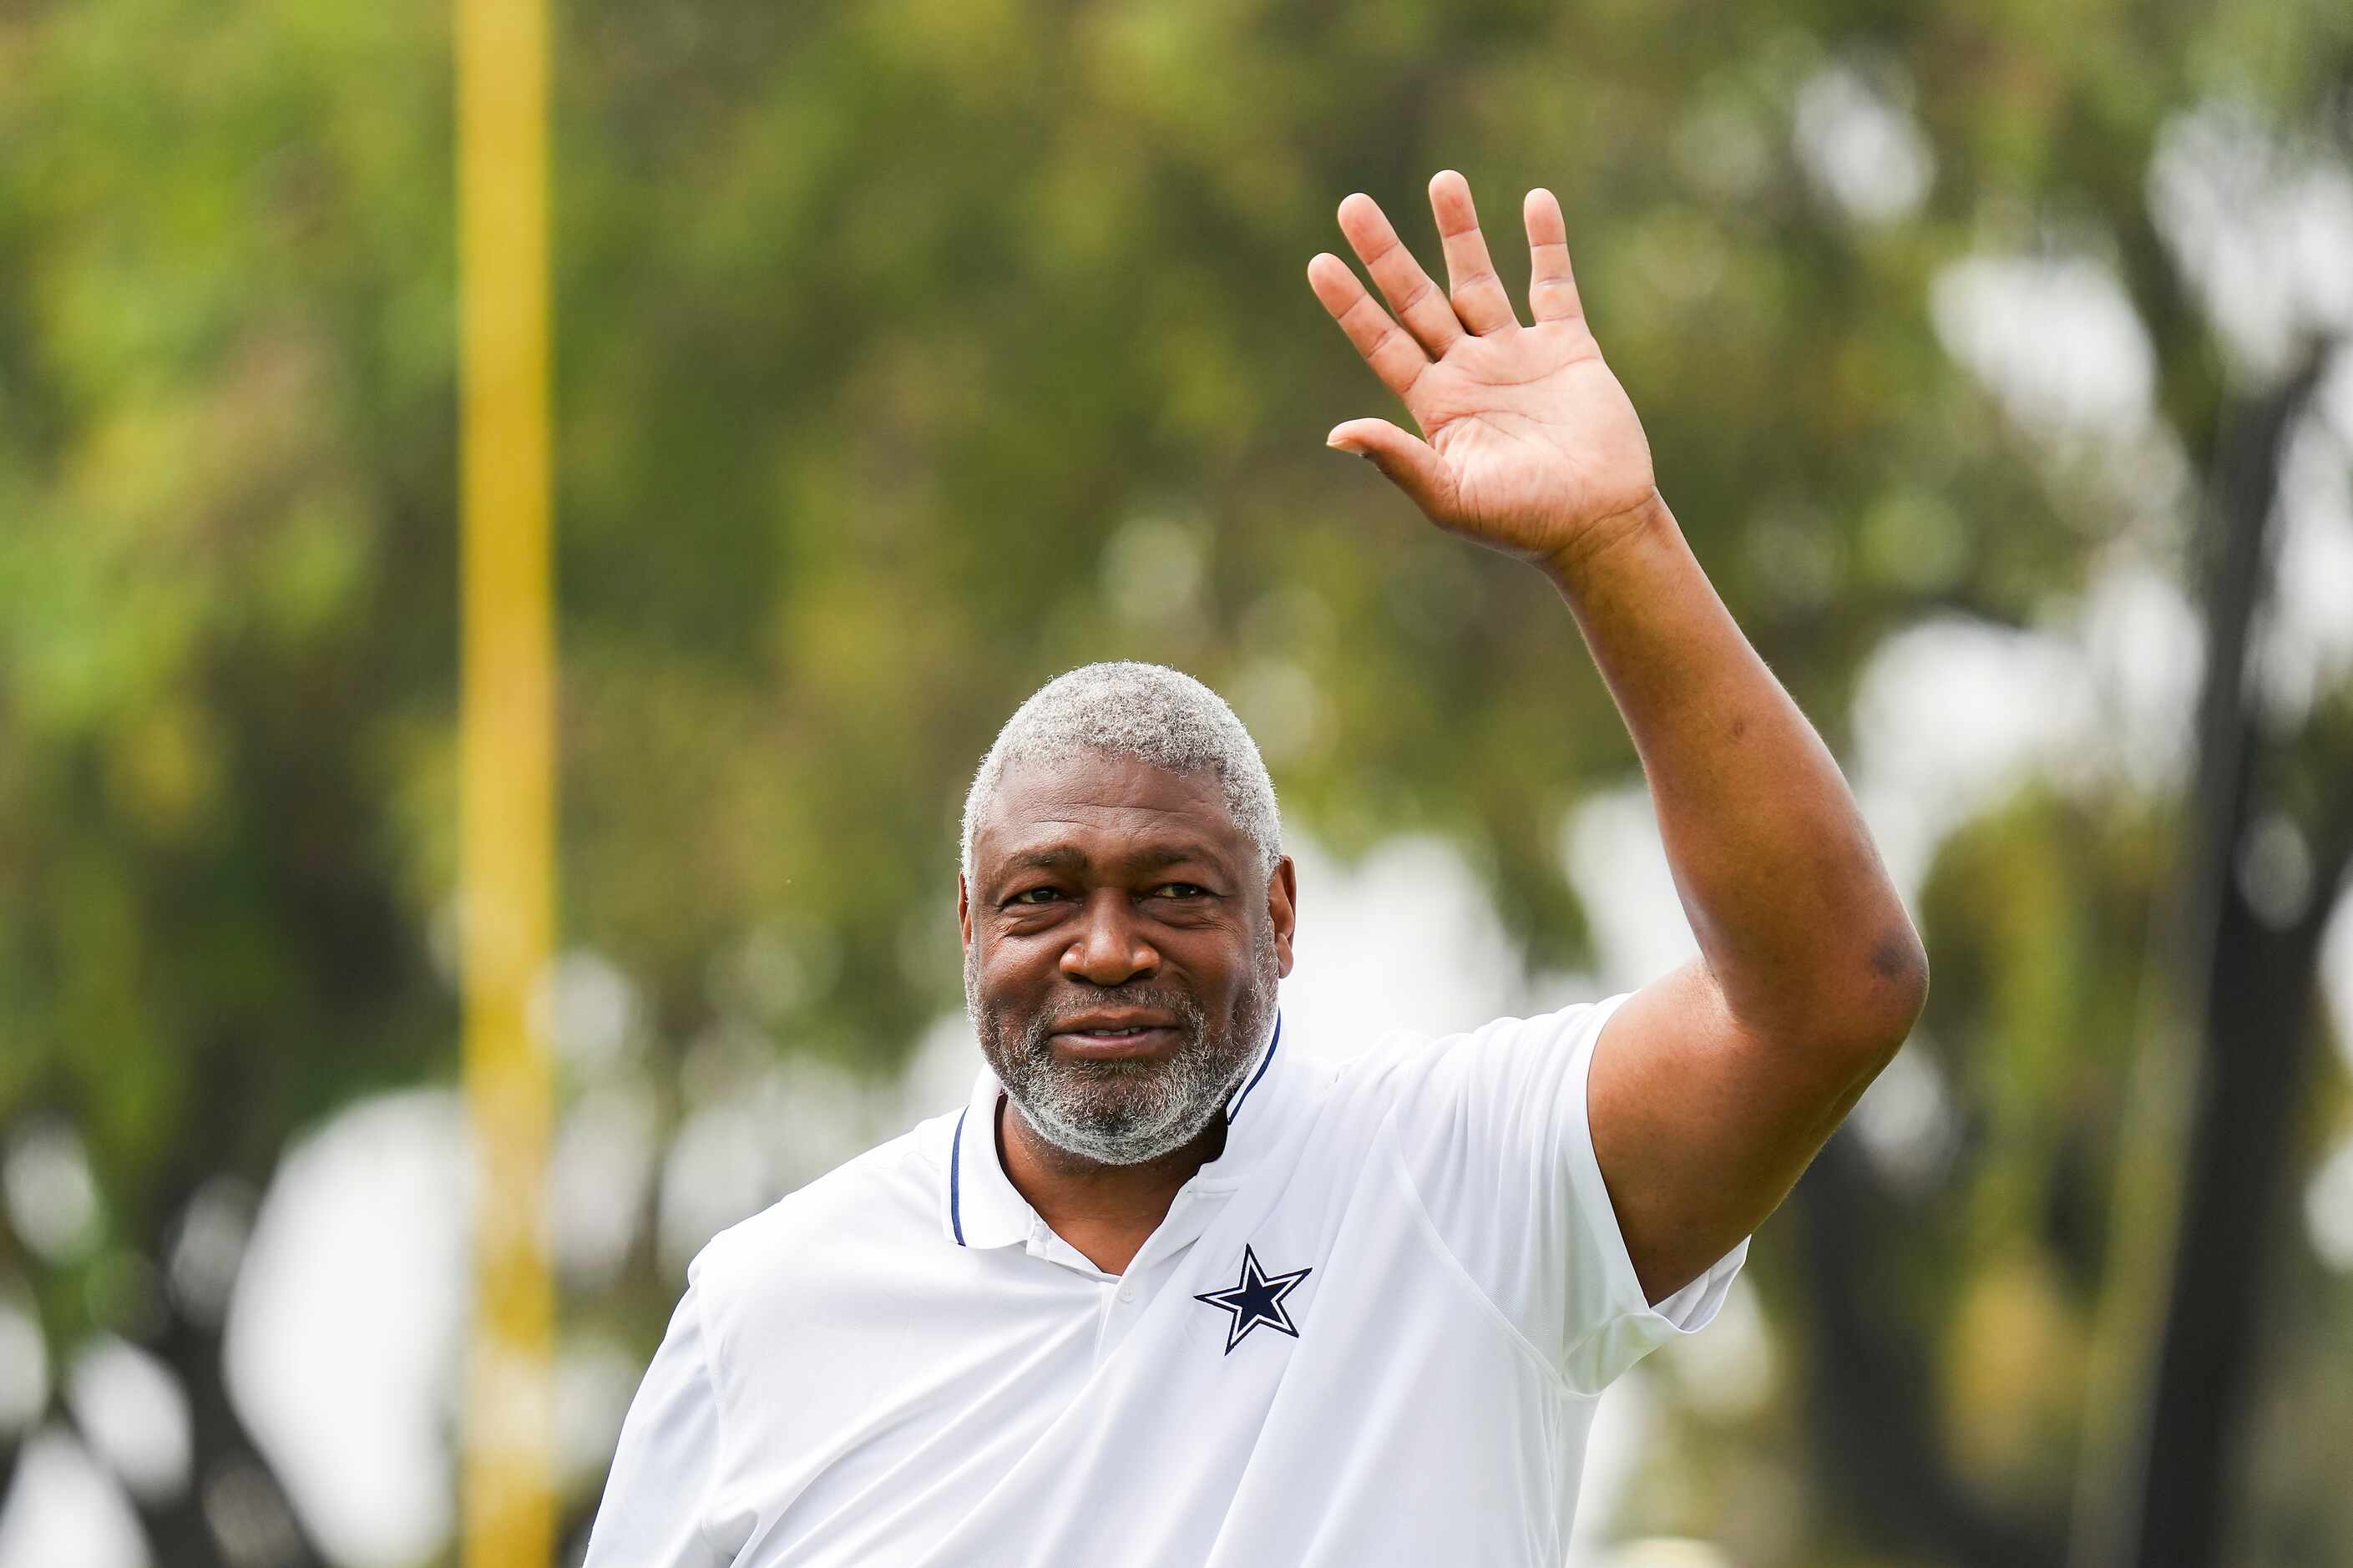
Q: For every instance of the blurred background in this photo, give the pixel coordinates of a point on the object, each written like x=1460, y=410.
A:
x=1998, y=360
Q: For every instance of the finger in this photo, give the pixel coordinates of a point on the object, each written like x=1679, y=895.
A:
x=1423, y=310
x=1395, y=357
x=1478, y=293
x=1408, y=460
x=1552, y=287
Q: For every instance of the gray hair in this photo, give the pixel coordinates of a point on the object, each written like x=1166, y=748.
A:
x=1147, y=712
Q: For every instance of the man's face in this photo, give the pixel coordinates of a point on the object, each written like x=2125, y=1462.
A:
x=1111, y=896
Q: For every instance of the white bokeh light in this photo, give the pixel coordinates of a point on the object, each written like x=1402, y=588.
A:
x=1859, y=143
x=2328, y=1208
x=342, y=1341
x=2336, y=974
x=1906, y=1122
x=1951, y=715
x=1618, y=863
x=2303, y=642
x=1625, y=1426
x=1730, y=1372
x=134, y=1414
x=598, y=1180
x=585, y=1008
x=764, y=1122
x=2261, y=227
x=52, y=1197
x=66, y=1511
x=2054, y=338
x=595, y=1380
x=1405, y=939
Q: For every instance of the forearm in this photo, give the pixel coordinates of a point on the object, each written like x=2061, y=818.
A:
x=1796, y=918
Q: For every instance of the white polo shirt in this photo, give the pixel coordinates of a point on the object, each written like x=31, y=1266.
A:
x=1371, y=1331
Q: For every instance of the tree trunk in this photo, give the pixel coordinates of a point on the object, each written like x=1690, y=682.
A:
x=1872, y=1384
x=2249, y=989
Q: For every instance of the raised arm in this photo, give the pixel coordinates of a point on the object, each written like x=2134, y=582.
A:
x=1712, y=1085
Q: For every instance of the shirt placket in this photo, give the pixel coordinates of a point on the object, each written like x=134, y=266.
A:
x=1125, y=1297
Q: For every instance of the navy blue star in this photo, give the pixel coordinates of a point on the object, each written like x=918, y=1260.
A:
x=1257, y=1298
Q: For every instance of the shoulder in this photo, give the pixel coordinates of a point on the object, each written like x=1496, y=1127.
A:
x=846, y=1224
x=1501, y=1053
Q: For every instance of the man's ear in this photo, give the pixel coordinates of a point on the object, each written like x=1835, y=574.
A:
x=964, y=909
x=1282, y=909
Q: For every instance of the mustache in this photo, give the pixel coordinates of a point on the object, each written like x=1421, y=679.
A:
x=1056, y=1012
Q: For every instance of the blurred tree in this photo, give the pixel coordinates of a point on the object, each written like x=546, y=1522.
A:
x=911, y=353
x=2249, y=962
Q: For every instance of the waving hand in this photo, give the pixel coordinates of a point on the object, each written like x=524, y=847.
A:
x=1528, y=444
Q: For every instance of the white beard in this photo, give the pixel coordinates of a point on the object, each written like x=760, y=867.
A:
x=1125, y=1112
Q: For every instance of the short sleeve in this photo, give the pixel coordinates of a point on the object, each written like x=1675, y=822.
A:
x=1492, y=1128
x=667, y=1463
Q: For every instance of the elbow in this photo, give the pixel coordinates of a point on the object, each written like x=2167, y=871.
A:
x=1855, y=1019
x=1901, y=962
x=1894, y=994
x=1851, y=1011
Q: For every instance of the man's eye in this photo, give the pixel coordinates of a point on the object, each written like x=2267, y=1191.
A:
x=1183, y=889
x=1034, y=896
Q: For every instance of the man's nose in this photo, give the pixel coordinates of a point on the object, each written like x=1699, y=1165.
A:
x=1109, y=948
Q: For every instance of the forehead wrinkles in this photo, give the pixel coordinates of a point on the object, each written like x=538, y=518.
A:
x=1107, y=784
x=1024, y=819
x=1123, y=822
x=1144, y=848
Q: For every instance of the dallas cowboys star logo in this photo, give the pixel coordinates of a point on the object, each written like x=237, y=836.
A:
x=1257, y=1298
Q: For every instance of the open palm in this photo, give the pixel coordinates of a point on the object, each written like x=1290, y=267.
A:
x=1529, y=445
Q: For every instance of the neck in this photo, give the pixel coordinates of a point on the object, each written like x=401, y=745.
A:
x=1104, y=1211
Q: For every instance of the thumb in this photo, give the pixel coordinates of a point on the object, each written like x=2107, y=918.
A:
x=1408, y=460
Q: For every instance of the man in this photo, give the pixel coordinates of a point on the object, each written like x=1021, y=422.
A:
x=1169, y=1291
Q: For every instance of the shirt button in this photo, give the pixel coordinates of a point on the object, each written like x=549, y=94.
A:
x=1127, y=1292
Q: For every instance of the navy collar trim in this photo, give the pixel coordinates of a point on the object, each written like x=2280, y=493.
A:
x=955, y=1175
x=1234, y=1106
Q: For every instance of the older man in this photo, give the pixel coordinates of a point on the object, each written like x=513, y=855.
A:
x=1169, y=1289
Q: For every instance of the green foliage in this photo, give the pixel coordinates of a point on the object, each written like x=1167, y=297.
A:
x=911, y=353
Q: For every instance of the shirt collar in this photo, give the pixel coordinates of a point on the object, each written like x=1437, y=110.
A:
x=981, y=1208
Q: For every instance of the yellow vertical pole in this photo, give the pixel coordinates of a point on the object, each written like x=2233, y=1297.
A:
x=507, y=806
